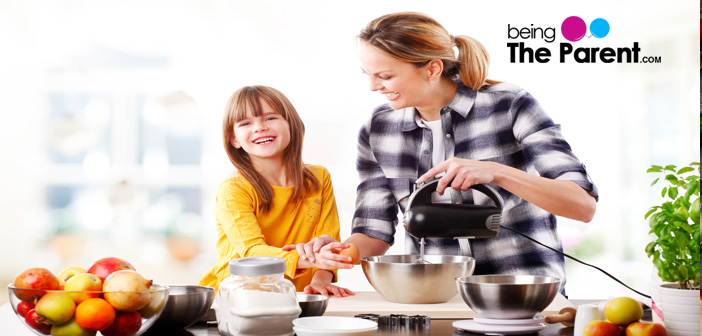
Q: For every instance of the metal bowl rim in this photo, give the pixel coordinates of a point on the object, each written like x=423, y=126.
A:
x=462, y=257
x=546, y=280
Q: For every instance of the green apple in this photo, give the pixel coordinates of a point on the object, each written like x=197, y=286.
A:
x=56, y=307
x=154, y=305
x=67, y=273
x=71, y=328
x=79, y=284
x=623, y=310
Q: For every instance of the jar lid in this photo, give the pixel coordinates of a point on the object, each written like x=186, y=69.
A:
x=256, y=266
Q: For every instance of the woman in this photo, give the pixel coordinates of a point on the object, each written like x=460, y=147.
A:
x=444, y=116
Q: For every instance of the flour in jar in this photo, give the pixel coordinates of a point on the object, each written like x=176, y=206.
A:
x=245, y=302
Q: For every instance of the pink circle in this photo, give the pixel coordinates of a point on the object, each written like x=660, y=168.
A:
x=573, y=28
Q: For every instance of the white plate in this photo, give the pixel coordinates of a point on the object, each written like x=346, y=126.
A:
x=532, y=321
x=332, y=323
x=492, y=329
x=299, y=331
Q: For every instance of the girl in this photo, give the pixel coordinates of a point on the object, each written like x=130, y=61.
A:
x=444, y=116
x=273, y=199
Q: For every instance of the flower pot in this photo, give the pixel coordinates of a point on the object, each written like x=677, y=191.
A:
x=681, y=309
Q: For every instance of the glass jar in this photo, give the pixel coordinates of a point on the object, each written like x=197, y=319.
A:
x=256, y=299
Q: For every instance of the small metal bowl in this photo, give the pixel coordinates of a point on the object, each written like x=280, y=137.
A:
x=312, y=304
x=401, y=279
x=186, y=305
x=508, y=296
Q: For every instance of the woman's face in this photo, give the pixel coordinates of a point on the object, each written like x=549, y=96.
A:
x=262, y=137
x=402, y=83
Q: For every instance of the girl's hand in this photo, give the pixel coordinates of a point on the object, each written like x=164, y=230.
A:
x=463, y=172
x=308, y=250
x=326, y=288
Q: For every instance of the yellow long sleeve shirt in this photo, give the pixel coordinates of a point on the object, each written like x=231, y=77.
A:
x=244, y=231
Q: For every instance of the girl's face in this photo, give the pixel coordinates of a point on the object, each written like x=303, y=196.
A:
x=262, y=137
x=402, y=83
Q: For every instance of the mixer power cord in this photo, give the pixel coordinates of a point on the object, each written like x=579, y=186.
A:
x=580, y=261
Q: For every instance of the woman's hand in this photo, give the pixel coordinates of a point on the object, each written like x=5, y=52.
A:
x=463, y=172
x=322, y=252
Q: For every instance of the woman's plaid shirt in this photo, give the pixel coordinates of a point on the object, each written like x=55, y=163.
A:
x=501, y=123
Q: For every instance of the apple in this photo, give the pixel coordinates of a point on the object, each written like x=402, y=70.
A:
x=83, y=282
x=35, y=278
x=37, y=322
x=105, y=266
x=56, y=307
x=126, y=323
x=645, y=329
x=24, y=307
x=602, y=328
x=67, y=273
x=127, y=290
x=154, y=306
x=71, y=328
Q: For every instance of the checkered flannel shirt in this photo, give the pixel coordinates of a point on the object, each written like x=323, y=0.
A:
x=501, y=123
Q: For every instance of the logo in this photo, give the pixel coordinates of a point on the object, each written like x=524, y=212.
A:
x=573, y=29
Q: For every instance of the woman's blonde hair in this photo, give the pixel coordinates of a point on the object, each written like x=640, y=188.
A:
x=249, y=98
x=417, y=38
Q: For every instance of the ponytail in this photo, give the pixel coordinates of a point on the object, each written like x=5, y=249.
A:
x=473, y=62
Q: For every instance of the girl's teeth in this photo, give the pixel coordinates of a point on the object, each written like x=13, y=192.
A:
x=391, y=94
x=263, y=141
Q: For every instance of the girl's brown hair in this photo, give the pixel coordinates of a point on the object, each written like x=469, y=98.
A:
x=417, y=38
x=249, y=97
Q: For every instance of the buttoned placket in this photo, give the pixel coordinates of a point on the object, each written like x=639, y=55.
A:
x=449, y=152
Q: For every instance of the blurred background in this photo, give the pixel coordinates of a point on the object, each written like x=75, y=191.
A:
x=110, y=119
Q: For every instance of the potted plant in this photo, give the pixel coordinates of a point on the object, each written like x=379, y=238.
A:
x=675, y=251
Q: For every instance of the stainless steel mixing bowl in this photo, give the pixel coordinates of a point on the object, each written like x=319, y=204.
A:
x=508, y=296
x=399, y=278
x=312, y=304
x=186, y=305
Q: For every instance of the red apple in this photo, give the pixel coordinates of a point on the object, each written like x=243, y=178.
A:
x=37, y=322
x=104, y=267
x=645, y=329
x=127, y=290
x=56, y=307
x=35, y=278
x=24, y=307
x=83, y=286
x=602, y=328
x=126, y=323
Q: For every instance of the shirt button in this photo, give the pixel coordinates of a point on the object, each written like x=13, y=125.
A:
x=426, y=151
x=448, y=135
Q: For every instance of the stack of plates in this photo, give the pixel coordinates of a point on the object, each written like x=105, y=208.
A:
x=333, y=326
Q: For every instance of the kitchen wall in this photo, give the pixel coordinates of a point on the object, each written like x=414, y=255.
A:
x=110, y=122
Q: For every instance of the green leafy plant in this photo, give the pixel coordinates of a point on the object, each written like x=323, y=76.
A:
x=676, y=225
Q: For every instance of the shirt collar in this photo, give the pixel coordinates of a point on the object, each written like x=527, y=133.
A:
x=462, y=103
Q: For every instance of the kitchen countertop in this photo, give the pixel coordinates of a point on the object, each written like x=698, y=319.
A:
x=439, y=326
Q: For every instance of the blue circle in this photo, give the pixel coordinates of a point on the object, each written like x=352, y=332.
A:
x=599, y=28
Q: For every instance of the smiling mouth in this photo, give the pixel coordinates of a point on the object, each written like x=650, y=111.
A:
x=391, y=95
x=264, y=140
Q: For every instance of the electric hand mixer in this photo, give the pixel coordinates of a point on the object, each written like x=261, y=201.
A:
x=424, y=219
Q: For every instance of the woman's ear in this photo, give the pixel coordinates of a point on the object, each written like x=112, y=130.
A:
x=435, y=68
x=234, y=142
